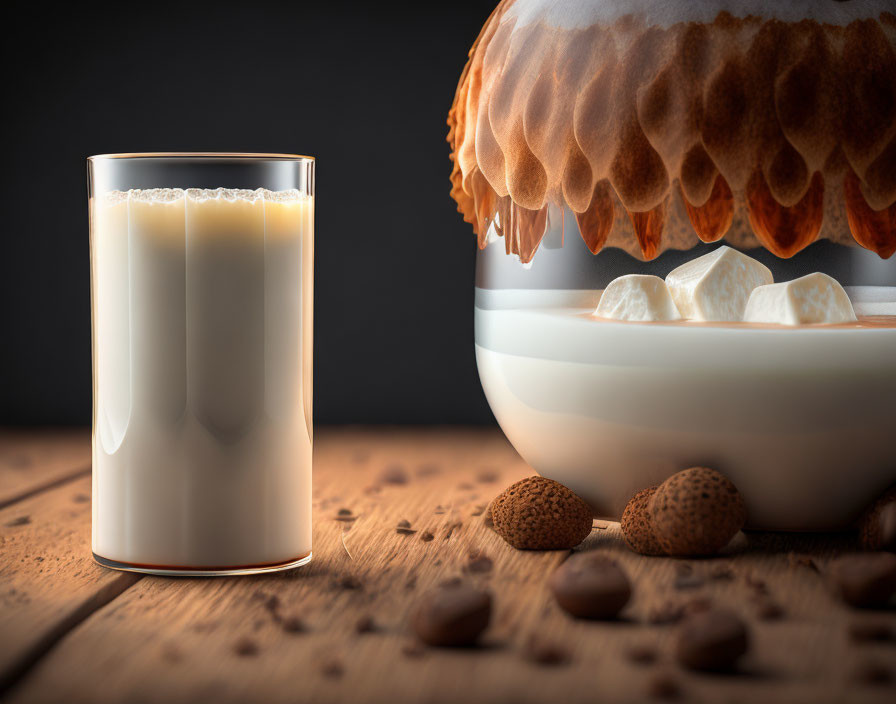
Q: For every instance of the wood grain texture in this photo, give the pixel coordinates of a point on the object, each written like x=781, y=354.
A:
x=48, y=580
x=32, y=460
x=239, y=639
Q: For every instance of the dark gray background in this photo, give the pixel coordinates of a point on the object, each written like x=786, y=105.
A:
x=365, y=87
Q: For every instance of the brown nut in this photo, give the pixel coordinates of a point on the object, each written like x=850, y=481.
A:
x=540, y=514
x=451, y=615
x=696, y=512
x=866, y=580
x=590, y=586
x=636, y=525
x=711, y=640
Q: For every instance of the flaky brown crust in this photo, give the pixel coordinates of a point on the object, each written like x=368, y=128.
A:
x=753, y=129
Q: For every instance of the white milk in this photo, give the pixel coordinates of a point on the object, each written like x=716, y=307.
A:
x=202, y=304
x=802, y=420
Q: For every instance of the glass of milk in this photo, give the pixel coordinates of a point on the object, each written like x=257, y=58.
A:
x=201, y=290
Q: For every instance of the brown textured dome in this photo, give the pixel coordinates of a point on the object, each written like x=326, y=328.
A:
x=659, y=124
x=537, y=513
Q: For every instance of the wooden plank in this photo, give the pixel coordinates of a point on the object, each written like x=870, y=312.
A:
x=32, y=460
x=48, y=580
x=179, y=640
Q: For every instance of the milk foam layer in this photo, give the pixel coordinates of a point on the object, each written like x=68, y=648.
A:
x=202, y=376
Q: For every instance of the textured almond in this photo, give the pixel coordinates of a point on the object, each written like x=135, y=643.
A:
x=696, y=512
x=540, y=514
x=636, y=525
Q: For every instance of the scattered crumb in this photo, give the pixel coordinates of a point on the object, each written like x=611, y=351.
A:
x=293, y=624
x=81, y=498
x=349, y=582
x=404, y=528
x=365, y=624
x=545, y=652
x=245, y=647
x=663, y=686
x=426, y=536
x=465, y=486
x=872, y=673
x=768, y=610
x=332, y=669
x=20, y=521
x=642, y=654
x=394, y=474
x=869, y=631
x=487, y=476
x=478, y=563
x=756, y=584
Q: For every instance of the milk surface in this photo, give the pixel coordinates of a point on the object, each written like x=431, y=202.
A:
x=202, y=305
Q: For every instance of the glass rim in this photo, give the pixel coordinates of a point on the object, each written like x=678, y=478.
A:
x=253, y=156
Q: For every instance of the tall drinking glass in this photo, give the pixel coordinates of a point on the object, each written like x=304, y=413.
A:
x=201, y=289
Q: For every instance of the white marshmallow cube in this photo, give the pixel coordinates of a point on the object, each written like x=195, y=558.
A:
x=717, y=285
x=637, y=297
x=810, y=300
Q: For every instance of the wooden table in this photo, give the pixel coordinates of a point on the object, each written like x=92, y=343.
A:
x=73, y=631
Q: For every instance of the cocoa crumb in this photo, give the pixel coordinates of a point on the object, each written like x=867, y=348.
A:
x=663, y=686
x=487, y=476
x=394, y=474
x=478, y=563
x=769, y=610
x=245, y=647
x=81, y=498
x=872, y=673
x=345, y=515
x=20, y=521
x=642, y=654
x=349, y=582
x=332, y=669
x=542, y=651
x=869, y=631
x=465, y=486
x=293, y=624
x=404, y=528
x=426, y=536
x=757, y=584
x=365, y=624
